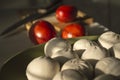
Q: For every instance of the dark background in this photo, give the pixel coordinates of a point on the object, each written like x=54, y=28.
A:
x=106, y=12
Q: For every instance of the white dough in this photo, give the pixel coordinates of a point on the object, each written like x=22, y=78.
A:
x=108, y=39
x=79, y=65
x=81, y=45
x=95, y=53
x=55, y=45
x=42, y=68
x=59, y=49
x=108, y=65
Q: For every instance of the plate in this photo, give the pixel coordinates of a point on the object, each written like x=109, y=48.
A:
x=15, y=67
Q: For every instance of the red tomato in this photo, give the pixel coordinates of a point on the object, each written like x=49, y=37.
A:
x=41, y=32
x=73, y=30
x=66, y=13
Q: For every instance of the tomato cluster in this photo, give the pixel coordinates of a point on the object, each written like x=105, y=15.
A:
x=42, y=31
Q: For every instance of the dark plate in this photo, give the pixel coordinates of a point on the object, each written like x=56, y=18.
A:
x=14, y=68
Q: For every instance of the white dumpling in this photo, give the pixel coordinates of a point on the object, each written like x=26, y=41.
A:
x=94, y=54
x=108, y=39
x=79, y=65
x=81, y=45
x=42, y=68
x=56, y=44
x=108, y=65
x=59, y=49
